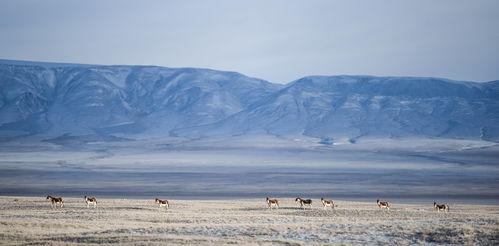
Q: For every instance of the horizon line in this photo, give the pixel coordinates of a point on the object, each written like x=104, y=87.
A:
x=51, y=64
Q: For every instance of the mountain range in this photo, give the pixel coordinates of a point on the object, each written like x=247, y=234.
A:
x=54, y=100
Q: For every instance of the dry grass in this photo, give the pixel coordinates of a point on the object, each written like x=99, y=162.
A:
x=30, y=221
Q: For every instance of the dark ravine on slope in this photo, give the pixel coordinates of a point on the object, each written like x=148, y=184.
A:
x=59, y=101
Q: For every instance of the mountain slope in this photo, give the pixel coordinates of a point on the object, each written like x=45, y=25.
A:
x=83, y=100
x=355, y=106
x=54, y=100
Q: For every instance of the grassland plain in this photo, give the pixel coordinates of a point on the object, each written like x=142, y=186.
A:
x=32, y=221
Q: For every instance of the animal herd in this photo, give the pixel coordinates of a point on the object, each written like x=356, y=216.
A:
x=272, y=203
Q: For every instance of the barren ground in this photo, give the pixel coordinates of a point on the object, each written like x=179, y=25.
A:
x=31, y=220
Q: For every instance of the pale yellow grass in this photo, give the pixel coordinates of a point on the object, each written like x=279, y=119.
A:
x=31, y=221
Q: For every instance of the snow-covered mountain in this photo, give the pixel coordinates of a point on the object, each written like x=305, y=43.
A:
x=51, y=100
x=79, y=100
x=349, y=107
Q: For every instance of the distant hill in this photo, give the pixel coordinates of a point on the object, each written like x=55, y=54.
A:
x=54, y=100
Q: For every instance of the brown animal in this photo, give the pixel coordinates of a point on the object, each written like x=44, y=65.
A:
x=327, y=203
x=92, y=201
x=163, y=203
x=441, y=207
x=56, y=201
x=303, y=202
x=272, y=203
x=383, y=204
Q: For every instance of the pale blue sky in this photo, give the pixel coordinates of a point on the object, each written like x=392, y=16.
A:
x=279, y=41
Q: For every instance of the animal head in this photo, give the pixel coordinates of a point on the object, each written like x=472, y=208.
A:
x=49, y=197
x=322, y=198
x=297, y=199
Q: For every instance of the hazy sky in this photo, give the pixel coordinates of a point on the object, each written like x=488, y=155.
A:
x=279, y=41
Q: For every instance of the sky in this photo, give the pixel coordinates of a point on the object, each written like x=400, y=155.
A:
x=279, y=41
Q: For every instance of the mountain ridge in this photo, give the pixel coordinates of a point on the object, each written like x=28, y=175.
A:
x=153, y=101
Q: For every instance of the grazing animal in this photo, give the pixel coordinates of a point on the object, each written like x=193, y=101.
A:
x=441, y=207
x=92, y=201
x=163, y=203
x=383, y=204
x=55, y=201
x=303, y=202
x=327, y=203
x=272, y=203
